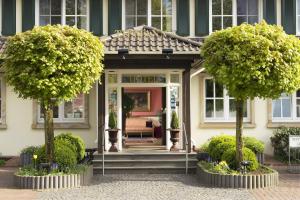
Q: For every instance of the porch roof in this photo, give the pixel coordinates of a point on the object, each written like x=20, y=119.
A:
x=149, y=40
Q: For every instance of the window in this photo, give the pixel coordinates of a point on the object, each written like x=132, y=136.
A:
x=218, y=105
x=72, y=111
x=66, y=12
x=287, y=107
x=227, y=13
x=156, y=13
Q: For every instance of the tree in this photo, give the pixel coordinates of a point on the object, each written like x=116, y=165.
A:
x=52, y=64
x=251, y=61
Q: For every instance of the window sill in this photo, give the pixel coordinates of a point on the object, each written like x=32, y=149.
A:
x=285, y=124
x=220, y=125
x=63, y=126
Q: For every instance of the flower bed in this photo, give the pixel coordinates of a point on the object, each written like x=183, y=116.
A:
x=54, y=181
x=248, y=181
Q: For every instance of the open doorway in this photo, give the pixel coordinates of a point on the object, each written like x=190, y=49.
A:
x=144, y=117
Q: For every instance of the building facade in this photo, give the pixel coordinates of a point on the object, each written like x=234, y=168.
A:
x=161, y=70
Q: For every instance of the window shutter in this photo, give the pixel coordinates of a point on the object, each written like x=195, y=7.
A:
x=202, y=17
x=288, y=13
x=28, y=14
x=96, y=17
x=183, y=16
x=114, y=16
x=269, y=10
x=8, y=17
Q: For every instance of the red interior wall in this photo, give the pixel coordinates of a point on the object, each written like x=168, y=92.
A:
x=155, y=100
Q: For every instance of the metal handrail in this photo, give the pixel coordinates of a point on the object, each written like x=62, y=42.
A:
x=103, y=148
x=186, y=149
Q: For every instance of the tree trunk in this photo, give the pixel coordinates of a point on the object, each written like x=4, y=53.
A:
x=49, y=133
x=239, y=131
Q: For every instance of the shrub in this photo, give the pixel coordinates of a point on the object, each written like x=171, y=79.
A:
x=214, y=141
x=75, y=141
x=222, y=168
x=64, y=155
x=2, y=162
x=174, y=121
x=30, y=149
x=218, y=151
x=203, y=147
x=112, y=121
x=230, y=157
x=254, y=144
x=280, y=142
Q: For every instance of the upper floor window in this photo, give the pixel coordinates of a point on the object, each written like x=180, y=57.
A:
x=65, y=12
x=156, y=13
x=227, y=13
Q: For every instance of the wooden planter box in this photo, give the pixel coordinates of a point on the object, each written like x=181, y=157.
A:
x=55, y=181
x=237, y=181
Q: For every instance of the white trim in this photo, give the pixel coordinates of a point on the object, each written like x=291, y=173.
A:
x=18, y=16
x=123, y=15
x=105, y=17
x=174, y=16
x=278, y=12
x=192, y=18
x=0, y=17
x=297, y=21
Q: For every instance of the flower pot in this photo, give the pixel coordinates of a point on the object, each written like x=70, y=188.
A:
x=174, y=139
x=113, y=138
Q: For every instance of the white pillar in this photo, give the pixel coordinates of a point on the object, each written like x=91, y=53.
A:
x=168, y=120
x=18, y=16
x=105, y=17
x=119, y=94
x=192, y=18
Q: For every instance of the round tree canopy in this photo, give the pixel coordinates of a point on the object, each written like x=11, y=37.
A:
x=53, y=62
x=258, y=60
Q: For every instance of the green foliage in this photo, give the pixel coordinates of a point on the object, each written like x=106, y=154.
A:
x=128, y=104
x=75, y=141
x=174, y=121
x=254, y=144
x=251, y=61
x=230, y=157
x=30, y=150
x=280, y=142
x=64, y=155
x=217, y=152
x=2, y=163
x=216, y=140
x=203, y=147
x=53, y=62
x=112, y=121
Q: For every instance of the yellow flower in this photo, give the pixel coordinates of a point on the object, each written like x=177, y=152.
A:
x=34, y=156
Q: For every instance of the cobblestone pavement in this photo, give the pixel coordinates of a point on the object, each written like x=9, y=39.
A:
x=147, y=187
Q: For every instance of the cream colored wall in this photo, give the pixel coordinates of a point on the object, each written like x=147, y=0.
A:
x=201, y=135
x=19, y=133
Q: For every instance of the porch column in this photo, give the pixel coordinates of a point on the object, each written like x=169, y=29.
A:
x=101, y=112
x=186, y=84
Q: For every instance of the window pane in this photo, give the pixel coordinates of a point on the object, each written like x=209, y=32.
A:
x=44, y=7
x=141, y=21
x=156, y=22
x=216, y=23
x=216, y=7
x=56, y=7
x=167, y=24
x=219, y=90
x=81, y=22
x=298, y=93
x=130, y=7
x=174, y=78
x=70, y=21
x=209, y=87
x=70, y=7
x=112, y=99
x=75, y=108
x=232, y=108
x=81, y=7
x=156, y=7
x=286, y=107
x=227, y=7
x=55, y=20
x=252, y=7
x=241, y=20
x=242, y=7
x=142, y=6
x=276, y=108
x=44, y=20
x=130, y=22
x=55, y=112
x=219, y=108
x=167, y=7
x=227, y=22
x=209, y=110
x=252, y=19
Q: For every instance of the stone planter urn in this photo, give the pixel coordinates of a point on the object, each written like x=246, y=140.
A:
x=113, y=138
x=174, y=139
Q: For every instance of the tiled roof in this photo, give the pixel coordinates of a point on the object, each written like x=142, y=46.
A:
x=148, y=40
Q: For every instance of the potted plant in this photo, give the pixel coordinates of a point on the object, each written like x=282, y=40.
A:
x=174, y=130
x=113, y=131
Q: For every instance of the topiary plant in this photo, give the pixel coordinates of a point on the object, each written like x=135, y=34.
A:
x=229, y=157
x=216, y=140
x=174, y=121
x=112, y=121
x=75, y=141
x=217, y=152
x=254, y=144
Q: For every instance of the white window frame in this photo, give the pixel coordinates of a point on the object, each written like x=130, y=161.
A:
x=226, y=99
x=63, y=14
x=149, y=15
x=293, y=105
x=234, y=13
x=297, y=15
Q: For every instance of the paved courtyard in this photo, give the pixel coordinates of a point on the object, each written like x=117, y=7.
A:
x=146, y=187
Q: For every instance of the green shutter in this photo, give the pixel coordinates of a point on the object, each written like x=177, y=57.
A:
x=114, y=16
x=8, y=17
x=269, y=10
x=96, y=17
x=288, y=13
x=201, y=17
x=28, y=14
x=183, y=17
